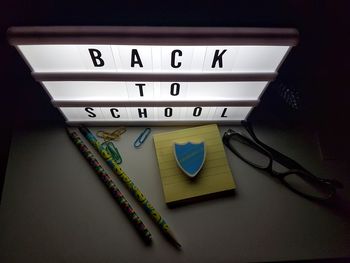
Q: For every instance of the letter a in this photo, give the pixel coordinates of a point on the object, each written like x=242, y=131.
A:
x=135, y=58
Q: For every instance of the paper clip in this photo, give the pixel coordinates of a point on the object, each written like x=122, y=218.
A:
x=113, y=151
x=110, y=136
x=142, y=137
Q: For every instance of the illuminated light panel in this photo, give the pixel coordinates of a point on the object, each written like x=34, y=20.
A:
x=153, y=75
x=137, y=59
x=144, y=114
x=117, y=91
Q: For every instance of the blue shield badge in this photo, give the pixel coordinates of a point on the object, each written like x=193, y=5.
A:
x=190, y=157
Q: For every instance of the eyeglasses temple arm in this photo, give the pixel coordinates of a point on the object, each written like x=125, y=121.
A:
x=283, y=159
x=280, y=157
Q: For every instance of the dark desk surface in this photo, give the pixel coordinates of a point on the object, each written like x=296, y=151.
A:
x=54, y=209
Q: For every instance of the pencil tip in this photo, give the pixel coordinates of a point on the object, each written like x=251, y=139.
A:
x=178, y=245
x=174, y=242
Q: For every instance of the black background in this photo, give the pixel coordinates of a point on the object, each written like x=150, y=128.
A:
x=317, y=69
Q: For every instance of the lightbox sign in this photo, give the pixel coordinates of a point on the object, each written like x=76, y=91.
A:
x=153, y=75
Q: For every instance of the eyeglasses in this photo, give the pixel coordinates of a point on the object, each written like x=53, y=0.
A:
x=263, y=157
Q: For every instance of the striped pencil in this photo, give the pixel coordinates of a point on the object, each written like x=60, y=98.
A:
x=140, y=197
x=102, y=174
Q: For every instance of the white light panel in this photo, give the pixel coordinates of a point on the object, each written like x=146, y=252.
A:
x=140, y=59
x=157, y=91
x=153, y=74
x=142, y=114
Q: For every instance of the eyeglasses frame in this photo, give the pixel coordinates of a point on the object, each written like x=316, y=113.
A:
x=274, y=155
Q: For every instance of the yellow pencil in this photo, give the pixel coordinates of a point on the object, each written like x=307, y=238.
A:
x=140, y=197
x=123, y=203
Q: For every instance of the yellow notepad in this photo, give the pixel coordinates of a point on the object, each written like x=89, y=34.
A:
x=215, y=176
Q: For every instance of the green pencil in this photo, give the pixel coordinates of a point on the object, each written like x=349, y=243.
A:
x=140, y=197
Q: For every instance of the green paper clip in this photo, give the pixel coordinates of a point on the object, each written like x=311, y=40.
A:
x=113, y=151
x=142, y=138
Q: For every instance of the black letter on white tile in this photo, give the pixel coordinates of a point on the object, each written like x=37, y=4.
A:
x=197, y=111
x=90, y=110
x=142, y=113
x=179, y=52
x=135, y=58
x=113, y=111
x=168, y=112
x=218, y=57
x=175, y=89
x=96, y=55
x=223, y=113
x=141, y=85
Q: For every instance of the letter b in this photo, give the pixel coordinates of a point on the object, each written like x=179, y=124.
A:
x=96, y=57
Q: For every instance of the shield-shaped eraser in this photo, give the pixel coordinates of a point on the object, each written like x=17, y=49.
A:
x=190, y=157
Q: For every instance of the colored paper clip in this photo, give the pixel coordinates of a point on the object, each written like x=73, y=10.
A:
x=113, y=151
x=142, y=138
x=110, y=136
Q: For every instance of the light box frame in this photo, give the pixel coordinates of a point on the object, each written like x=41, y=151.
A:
x=165, y=36
x=138, y=35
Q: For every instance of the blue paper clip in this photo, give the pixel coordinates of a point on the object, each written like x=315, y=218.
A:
x=113, y=151
x=142, y=137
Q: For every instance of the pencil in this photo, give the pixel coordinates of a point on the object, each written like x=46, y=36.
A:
x=140, y=197
x=102, y=174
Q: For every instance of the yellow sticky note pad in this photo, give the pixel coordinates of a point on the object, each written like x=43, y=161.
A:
x=215, y=176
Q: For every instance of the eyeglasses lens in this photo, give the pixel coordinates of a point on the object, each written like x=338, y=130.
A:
x=308, y=186
x=249, y=153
